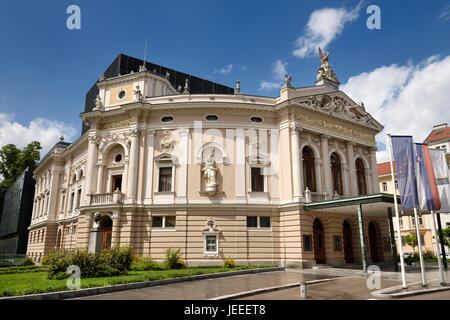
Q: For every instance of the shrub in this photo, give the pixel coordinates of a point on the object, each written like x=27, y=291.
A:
x=119, y=258
x=145, y=264
x=172, y=257
x=429, y=255
x=28, y=262
x=181, y=264
x=44, y=261
x=229, y=263
x=57, y=263
x=89, y=263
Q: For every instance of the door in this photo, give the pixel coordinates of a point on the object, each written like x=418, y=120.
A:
x=319, y=242
x=106, y=238
x=116, y=183
x=348, y=244
x=373, y=243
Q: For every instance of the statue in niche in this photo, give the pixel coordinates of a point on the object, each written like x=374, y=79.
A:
x=209, y=172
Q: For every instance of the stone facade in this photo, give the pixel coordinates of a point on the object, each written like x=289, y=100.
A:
x=136, y=176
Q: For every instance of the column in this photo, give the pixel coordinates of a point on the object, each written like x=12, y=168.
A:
x=375, y=187
x=133, y=163
x=240, y=165
x=149, y=169
x=295, y=157
x=345, y=179
x=115, y=236
x=361, y=238
x=274, y=168
x=318, y=167
x=100, y=178
x=326, y=166
x=181, y=185
x=90, y=165
x=353, y=187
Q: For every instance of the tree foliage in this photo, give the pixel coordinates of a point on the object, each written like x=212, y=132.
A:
x=411, y=240
x=13, y=161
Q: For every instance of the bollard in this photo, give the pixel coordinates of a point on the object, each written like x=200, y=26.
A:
x=303, y=289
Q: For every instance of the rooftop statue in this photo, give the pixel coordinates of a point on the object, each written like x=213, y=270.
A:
x=325, y=71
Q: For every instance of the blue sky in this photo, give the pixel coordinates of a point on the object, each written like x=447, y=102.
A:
x=46, y=69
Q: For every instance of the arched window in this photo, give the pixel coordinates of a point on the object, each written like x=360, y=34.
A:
x=336, y=174
x=309, y=174
x=360, y=177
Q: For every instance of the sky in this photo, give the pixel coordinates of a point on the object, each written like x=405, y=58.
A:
x=401, y=71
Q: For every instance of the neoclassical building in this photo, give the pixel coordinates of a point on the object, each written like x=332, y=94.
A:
x=170, y=160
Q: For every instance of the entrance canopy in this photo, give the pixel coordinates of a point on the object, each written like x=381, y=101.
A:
x=374, y=205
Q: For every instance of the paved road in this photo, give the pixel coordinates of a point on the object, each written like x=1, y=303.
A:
x=354, y=288
x=208, y=288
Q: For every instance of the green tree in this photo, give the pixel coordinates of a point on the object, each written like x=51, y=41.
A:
x=446, y=236
x=13, y=161
x=411, y=240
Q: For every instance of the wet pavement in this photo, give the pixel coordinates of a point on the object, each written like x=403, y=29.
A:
x=354, y=288
x=209, y=288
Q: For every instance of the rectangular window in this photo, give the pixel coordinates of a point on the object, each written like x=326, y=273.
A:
x=422, y=240
x=67, y=231
x=252, y=222
x=78, y=198
x=165, y=179
x=62, y=202
x=401, y=223
x=257, y=180
x=403, y=241
x=164, y=222
x=72, y=196
x=74, y=230
x=384, y=186
x=258, y=222
x=420, y=221
x=307, y=243
x=211, y=243
x=396, y=185
x=413, y=221
x=337, y=243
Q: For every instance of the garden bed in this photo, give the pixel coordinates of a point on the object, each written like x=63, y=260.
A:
x=33, y=282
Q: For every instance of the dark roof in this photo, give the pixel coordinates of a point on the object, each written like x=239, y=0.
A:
x=124, y=64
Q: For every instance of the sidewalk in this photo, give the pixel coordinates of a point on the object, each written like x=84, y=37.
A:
x=210, y=288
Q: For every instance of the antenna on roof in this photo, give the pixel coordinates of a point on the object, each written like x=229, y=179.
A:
x=143, y=68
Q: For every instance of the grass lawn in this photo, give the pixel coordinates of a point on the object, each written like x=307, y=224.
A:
x=36, y=282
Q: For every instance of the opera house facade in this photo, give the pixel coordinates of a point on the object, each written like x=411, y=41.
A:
x=166, y=159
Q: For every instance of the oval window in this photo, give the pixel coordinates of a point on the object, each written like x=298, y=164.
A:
x=118, y=158
x=211, y=117
x=167, y=119
x=256, y=119
x=122, y=94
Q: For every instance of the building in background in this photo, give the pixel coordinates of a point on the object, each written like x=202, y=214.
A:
x=439, y=138
x=16, y=217
x=407, y=223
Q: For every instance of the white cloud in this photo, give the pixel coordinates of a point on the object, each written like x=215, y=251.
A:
x=46, y=131
x=406, y=100
x=323, y=26
x=225, y=70
x=244, y=68
x=279, y=69
x=445, y=14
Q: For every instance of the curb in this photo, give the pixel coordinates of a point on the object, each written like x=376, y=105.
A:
x=271, y=289
x=384, y=293
x=135, y=285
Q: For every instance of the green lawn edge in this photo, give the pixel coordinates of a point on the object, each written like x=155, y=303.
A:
x=25, y=283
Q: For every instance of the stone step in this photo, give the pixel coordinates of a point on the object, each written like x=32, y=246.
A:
x=322, y=266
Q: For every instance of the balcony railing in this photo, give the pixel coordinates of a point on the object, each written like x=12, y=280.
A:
x=106, y=198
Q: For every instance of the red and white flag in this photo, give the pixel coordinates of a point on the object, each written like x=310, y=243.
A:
x=441, y=174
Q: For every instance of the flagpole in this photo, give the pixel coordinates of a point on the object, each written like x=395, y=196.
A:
x=436, y=247
x=419, y=244
x=400, y=245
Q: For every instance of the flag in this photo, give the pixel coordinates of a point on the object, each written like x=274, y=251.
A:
x=441, y=174
x=404, y=157
x=426, y=183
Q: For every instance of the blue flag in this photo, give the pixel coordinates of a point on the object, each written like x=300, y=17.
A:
x=404, y=157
